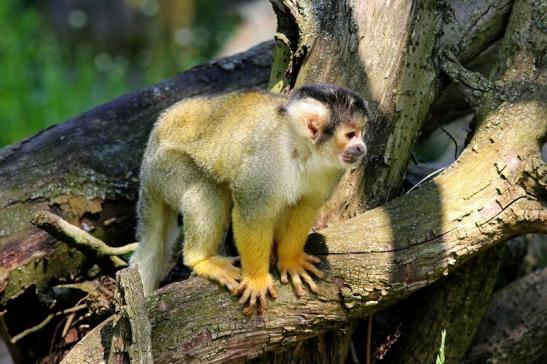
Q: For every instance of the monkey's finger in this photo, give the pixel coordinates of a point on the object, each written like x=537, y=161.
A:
x=252, y=302
x=234, y=273
x=312, y=258
x=245, y=296
x=234, y=280
x=283, y=277
x=297, y=284
x=311, y=268
x=261, y=304
x=228, y=277
x=309, y=281
x=232, y=286
x=272, y=291
x=242, y=286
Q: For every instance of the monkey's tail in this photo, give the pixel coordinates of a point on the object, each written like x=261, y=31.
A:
x=157, y=231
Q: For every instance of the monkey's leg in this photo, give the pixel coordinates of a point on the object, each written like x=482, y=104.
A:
x=206, y=214
x=157, y=232
x=254, y=241
x=291, y=233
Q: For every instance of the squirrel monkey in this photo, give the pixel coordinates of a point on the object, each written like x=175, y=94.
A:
x=266, y=160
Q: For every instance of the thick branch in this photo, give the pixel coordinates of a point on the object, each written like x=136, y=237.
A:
x=472, y=85
x=368, y=269
x=85, y=170
x=493, y=192
x=131, y=342
x=387, y=52
x=471, y=26
x=455, y=304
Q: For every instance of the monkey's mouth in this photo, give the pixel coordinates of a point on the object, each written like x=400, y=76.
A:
x=350, y=159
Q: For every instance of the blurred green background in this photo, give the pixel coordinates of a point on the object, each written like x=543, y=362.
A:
x=59, y=58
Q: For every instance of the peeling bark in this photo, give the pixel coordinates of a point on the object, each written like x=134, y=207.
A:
x=131, y=341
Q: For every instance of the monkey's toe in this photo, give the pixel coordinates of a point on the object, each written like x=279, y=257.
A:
x=297, y=268
x=220, y=269
x=253, y=293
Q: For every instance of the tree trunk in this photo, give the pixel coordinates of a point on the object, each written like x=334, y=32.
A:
x=514, y=325
x=386, y=51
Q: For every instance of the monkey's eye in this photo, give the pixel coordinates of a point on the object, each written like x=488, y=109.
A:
x=351, y=135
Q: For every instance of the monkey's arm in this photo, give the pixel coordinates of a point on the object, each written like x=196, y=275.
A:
x=254, y=240
x=290, y=235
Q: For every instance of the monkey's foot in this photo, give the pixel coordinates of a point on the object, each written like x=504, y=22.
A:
x=253, y=290
x=298, y=268
x=220, y=269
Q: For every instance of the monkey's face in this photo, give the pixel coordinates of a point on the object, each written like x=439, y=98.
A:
x=333, y=120
x=349, y=145
x=343, y=146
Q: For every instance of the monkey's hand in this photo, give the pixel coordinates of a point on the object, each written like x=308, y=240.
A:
x=220, y=269
x=298, y=267
x=253, y=290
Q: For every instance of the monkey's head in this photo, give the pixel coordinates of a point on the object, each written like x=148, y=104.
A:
x=332, y=119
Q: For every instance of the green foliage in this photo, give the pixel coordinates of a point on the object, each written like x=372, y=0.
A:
x=440, y=356
x=44, y=80
x=36, y=88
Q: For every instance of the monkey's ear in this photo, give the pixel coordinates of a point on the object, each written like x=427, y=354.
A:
x=311, y=116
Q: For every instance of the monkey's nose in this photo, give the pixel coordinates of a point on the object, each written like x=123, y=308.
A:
x=358, y=150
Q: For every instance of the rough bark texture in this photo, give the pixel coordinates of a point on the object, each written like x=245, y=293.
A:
x=387, y=51
x=329, y=348
x=514, y=325
x=462, y=317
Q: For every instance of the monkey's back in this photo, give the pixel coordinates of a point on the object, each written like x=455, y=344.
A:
x=217, y=132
